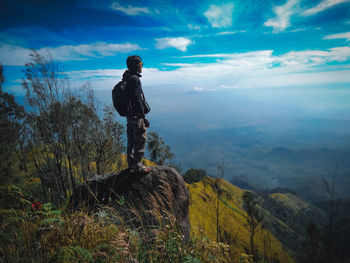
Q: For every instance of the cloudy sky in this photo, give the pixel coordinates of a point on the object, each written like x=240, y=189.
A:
x=197, y=45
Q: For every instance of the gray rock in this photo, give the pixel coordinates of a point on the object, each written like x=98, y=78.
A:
x=144, y=201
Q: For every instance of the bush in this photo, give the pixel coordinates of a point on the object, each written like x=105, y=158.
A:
x=194, y=175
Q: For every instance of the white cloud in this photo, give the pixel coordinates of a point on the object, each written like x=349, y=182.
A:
x=82, y=52
x=256, y=69
x=16, y=55
x=198, y=89
x=179, y=43
x=193, y=27
x=230, y=32
x=298, y=30
x=345, y=35
x=96, y=74
x=283, y=14
x=236, y=70
x=302, y=79
x=220, y=15
x=291, y=61
x=229, y=87
x=130, y=10
x=323, y=5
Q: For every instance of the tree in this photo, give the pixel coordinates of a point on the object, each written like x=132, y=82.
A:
x=110, y=143
x=222, y=197
x=329, y=229
x=254, y=220
x=194, y=175
x=47, y=89
x=11, y=118
x=219, y=190
x=66, y=136
x=311, y=254
x=159, y=152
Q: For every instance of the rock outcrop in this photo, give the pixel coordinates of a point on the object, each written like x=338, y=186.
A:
x=142, y=200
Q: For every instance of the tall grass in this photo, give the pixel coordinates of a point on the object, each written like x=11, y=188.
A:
x=54, y=235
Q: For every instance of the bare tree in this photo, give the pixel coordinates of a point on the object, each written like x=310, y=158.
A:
x=222, y=198
x=329, y=230
x=218, y=186
x=46, y=86
x=254, y=220
x=65, y=134
x=107, y=141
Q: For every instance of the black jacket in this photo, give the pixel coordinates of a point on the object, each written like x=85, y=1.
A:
x=135, y=94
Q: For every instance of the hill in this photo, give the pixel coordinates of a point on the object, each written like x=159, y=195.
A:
x=232, y=222
x=282, y=234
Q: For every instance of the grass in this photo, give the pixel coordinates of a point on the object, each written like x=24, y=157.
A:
x=53, y=235
x=232, y=220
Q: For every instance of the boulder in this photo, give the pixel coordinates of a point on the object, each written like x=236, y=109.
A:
x=141, y=200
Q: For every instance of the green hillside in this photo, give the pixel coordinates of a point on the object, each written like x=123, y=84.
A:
x=233, y=228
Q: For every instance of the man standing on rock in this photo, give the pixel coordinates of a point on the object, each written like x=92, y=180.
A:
x=137, y=123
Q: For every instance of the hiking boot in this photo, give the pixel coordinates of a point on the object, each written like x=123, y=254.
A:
x=144, y=169
x=140, y=169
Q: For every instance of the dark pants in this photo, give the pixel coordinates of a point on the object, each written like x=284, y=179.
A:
x=137, y=136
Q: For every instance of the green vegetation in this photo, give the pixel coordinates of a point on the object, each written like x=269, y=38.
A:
x=64, y=136
x=11, y=116
x=254, y=219
x=234, y=229
x=159, y=152
x=194, y=175
x=52, y=235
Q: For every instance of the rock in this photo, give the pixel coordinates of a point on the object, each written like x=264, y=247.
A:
x=140, y=199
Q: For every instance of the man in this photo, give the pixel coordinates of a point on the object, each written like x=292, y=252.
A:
x=137, y=123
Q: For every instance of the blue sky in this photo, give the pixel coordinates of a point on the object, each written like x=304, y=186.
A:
x=187, y=46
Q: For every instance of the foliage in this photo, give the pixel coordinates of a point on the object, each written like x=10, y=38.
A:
x=52, y=235
x=67, y=139
x=159, y=152
x=194, y=175
x=254, y=220
x=11, y=117
x=233, y=223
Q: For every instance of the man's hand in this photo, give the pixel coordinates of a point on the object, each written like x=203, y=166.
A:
x=146, y=123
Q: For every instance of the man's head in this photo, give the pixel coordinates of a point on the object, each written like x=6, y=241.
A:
x=134, y=64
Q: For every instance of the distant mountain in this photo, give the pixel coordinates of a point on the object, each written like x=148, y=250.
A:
x=296, y=154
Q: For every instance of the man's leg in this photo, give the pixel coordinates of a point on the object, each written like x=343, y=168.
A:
x=130, y=137
x=140, y=137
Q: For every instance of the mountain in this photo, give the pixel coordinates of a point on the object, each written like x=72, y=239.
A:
x=282, y=234
x=296, y=154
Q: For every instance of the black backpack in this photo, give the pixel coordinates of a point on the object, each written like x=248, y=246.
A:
x=121, y=99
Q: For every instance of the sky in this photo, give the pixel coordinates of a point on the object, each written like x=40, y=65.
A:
x=188, y=47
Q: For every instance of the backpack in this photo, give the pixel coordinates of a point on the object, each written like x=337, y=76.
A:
x=121, y=99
